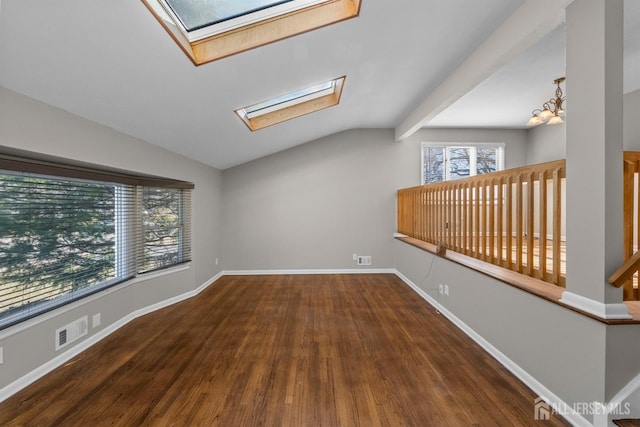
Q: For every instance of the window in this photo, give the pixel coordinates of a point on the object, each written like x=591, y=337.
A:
x=63, y=237
x=444, y=162
x=292, y=105
x=207, y=30
x=207, y=14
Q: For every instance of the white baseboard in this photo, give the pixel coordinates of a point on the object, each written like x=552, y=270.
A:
x=64, y=357
x=599, y=309
x=302, y=271
x=515, y=369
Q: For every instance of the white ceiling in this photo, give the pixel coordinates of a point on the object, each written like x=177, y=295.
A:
x=111, y=62
x=507, y=99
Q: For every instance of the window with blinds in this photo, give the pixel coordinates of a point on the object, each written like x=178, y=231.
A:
x=65, y=234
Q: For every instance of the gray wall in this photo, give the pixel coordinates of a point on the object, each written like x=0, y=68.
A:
x=313, y=206
x=558, y=347
x=26, y=124
x=546, y=143
x=631, y=117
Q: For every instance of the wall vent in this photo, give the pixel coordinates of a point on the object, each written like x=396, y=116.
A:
x=364, y=260
x=71, y=332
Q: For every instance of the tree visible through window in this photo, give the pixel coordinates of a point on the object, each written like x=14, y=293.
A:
x=63, y=238
x=163, y=227
x=56, y=237
x=441, y=162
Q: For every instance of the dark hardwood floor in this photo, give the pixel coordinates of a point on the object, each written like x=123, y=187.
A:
x=317, y=350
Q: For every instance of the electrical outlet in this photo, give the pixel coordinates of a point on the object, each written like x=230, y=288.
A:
x=446, y=289
x=216, y=261
x=440, y=288
x=96, y=320
x=355, y=256
x=1, y=355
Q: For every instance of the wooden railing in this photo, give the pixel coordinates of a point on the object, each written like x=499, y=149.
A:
x=505, y=218
x=631, y=222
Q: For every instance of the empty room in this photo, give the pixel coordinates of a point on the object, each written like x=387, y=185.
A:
x=319, y=212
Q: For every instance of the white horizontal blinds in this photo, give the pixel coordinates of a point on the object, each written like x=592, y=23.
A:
x=166, y=224
x=62, y=238
x=57, y=240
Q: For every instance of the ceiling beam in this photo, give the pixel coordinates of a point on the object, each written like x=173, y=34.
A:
x=523, y=29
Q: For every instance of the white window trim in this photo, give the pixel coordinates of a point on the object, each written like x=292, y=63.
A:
x=473, y=165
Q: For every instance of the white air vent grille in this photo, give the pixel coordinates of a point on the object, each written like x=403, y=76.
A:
x=364, y=260
x=71, y=332
x=62, y=337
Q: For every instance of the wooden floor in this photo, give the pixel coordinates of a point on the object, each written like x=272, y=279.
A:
x=320, y=350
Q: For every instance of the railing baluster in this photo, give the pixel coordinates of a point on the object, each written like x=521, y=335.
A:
x=483, y=219
x=499, y=224
x=465, y=220
x=469, y=220
x=475, y=228
x=509, y=222
x=557, y=203
x=492, y=218
x=530, y=224
x=449, y=216
x=422, y=197
x=519, y=214
x=432, y=219
x=542, y=240
x=458, y=218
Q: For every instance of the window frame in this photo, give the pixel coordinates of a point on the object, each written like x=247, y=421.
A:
x=128, y=231
x=447, y=146
x=292, y=105
x=238, y=21
x=267, y=30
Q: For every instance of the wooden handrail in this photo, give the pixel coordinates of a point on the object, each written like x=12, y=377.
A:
x=494, y=218
x=626, y=271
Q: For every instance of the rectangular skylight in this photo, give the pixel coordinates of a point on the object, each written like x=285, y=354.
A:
x=290, y=99
x=208, y=30
x=204, y=18
x=195, y=15
x=292, y=104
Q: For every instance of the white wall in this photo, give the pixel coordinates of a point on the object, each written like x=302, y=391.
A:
x=313, y=206
x=26, y=124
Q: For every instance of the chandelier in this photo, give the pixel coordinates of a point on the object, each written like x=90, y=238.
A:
x=551, y=110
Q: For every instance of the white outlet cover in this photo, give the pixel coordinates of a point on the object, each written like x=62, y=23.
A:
x=446, y=289
x=96, y=320
x=440, y=288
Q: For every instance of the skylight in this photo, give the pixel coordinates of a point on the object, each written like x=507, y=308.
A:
x=293, y=104
x=207, y=30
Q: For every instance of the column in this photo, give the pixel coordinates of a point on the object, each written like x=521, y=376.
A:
x=594, y=155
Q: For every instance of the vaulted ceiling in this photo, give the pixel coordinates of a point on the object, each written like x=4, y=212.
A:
x=111, y=62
